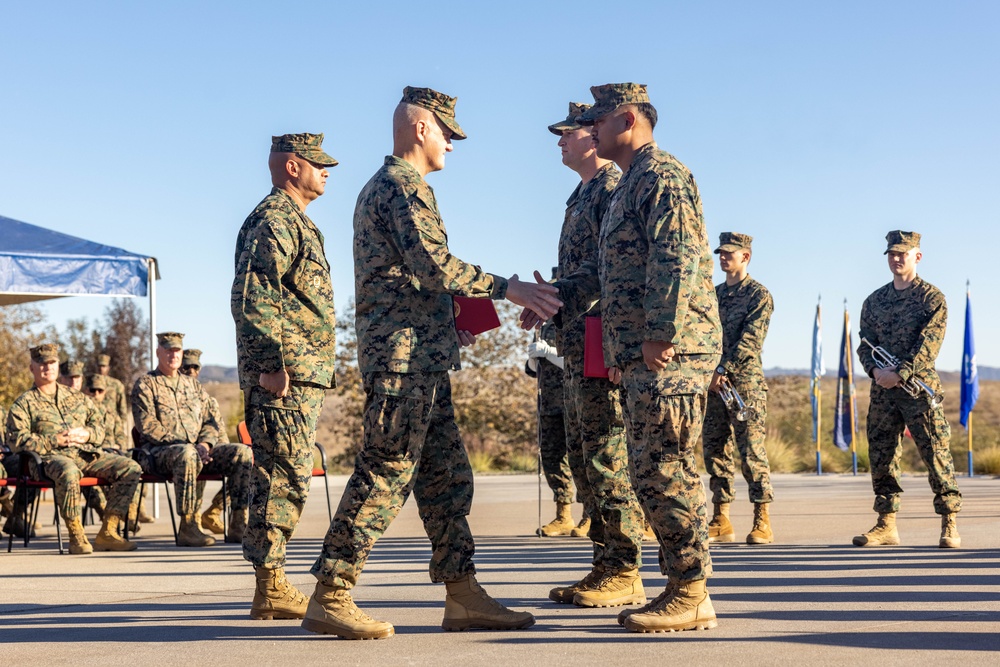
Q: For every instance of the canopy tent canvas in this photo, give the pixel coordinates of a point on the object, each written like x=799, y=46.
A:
x=38, y=263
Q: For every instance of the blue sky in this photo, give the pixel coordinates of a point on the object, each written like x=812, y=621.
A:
x=814, y=127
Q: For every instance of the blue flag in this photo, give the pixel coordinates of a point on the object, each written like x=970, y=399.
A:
x=818, y=371
x=970, y=374
x=845, y=417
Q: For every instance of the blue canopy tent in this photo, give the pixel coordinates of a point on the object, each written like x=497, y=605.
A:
x=38, y=263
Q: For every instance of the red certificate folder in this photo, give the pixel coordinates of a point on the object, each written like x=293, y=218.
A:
x=475, y=315
x=593, y=349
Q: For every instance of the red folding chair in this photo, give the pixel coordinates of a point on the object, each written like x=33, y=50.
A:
x=139, y=455
x=26, y=483
x=244, y=434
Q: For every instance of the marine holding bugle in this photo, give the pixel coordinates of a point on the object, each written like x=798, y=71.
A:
x=912, y=386
x=907, y=316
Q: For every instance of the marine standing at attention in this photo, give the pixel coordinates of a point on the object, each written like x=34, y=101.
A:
x=745, y=308
x=907, y=318
x=662, y=340
x=595, y=425
x=282, y=304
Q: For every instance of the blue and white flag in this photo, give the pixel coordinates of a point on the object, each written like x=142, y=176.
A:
x=845, y=416
x=818, y=371
x=970, y=374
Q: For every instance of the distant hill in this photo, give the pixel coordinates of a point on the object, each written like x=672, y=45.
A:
x=218, y=374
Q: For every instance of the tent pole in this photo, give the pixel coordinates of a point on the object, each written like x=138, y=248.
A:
x=152, y=313
x=152, y=358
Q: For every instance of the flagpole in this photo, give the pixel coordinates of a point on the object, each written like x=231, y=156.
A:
x=852, y=398
x=817, y=391
x=968, y=430
x=819, y=433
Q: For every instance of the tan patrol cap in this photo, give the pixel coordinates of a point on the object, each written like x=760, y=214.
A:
x=306, y=146
x=575, y=109
x=191, y=357
x=610, y=96
x=439, y=104
x=44, y=353
x=103, y=360
x=900, y=241
x=170, y=340
x=732, y=241
x=71, y=369
x=97, y=381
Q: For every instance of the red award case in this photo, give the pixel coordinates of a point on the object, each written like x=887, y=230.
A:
x=593, y=349
x=475, y=315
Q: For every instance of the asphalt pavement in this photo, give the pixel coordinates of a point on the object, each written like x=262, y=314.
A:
x=809, y=598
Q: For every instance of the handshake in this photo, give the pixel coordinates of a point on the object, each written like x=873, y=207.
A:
x=540, y=299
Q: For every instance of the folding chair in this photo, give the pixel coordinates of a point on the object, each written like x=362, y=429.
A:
x=244, y=434
x=26, y=483
x=142, y=457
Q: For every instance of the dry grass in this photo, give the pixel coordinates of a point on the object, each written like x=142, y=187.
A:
x=496, y=416
x=987, y=462
x=781, y=454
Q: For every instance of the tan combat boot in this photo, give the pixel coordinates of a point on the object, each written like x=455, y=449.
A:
x=237, y=526
x=655, y=602
x=190, y=535
x=78, y=543
x=719, y=528
x=212, y=520
x=331, y=611
x=613, y=590
x=761, y=533
x=275, y=597
x=950, y=538
x=565, y=594
x=561, y=525
x=468, y=606
x=882, y=534
x=582, y=528
x=108, y=538
x=688, y=608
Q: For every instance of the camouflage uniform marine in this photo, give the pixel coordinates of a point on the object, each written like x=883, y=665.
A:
x=282, y=304
x=114, y=430
x=12, y=504
x=910, y=325
x=115, y=396
x=595, y=423
x=171, y=415
x=655, y=277
x=34, y=421
x=551, y=428
x=212, y=519
x=8, y=467
x=114, y=439
x=745, y=310
x=404, y=281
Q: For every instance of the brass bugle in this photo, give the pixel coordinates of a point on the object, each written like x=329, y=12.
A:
x=733, y=400
x=913, y=386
